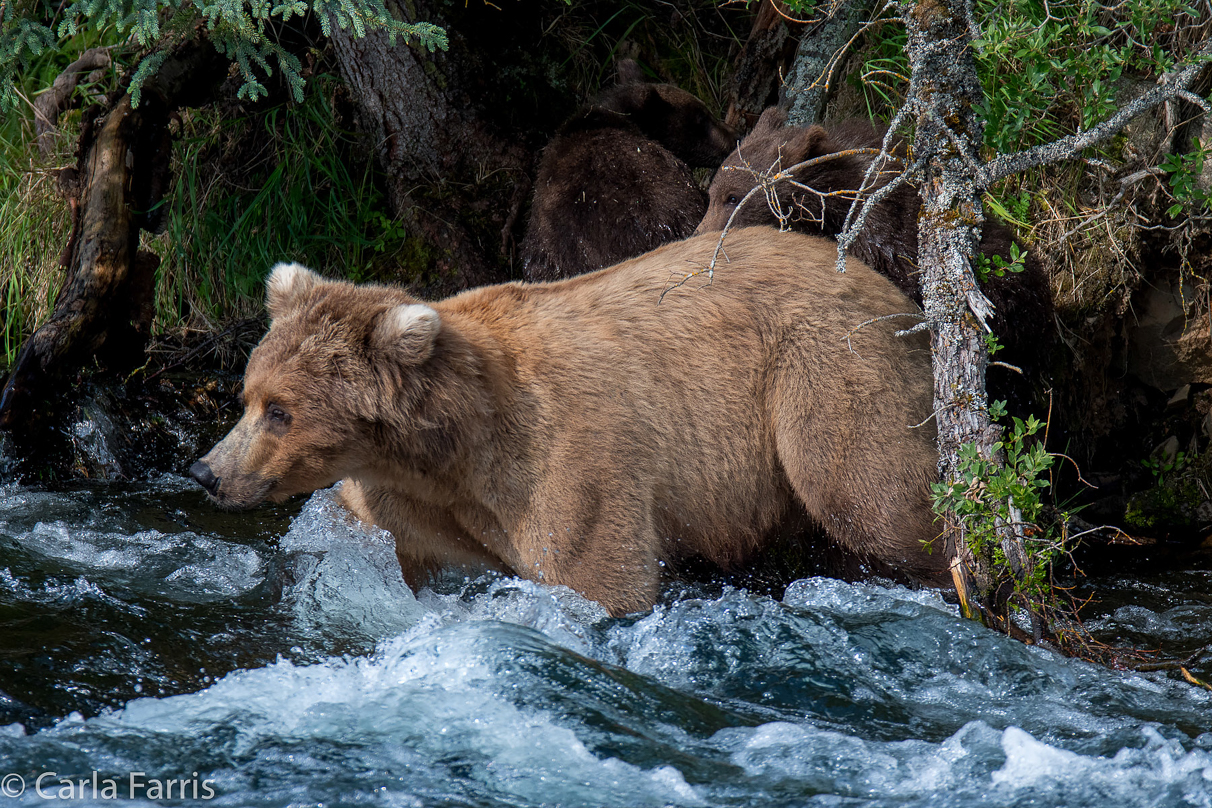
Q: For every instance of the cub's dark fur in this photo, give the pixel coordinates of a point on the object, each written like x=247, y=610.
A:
x=888, y=243
x=615, y=181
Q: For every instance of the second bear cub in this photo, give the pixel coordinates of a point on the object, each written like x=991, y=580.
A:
x=615, y=181
x=888, y=242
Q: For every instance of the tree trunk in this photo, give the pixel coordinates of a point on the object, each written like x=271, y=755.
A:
x=104, y=308
x=819, y=62
x=445, y=130
x=758, y=73
x=944, y=92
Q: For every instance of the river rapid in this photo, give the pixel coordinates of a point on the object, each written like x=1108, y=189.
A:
x=155, y=651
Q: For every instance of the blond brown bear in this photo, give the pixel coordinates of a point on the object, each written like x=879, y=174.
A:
x=582, y=432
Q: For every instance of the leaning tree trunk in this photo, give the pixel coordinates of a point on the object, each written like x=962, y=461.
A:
x=103, y=311
x=446, y=130
x=758, y=73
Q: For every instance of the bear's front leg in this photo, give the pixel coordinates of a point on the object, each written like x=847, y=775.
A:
x=608, y=556
x=427, y=538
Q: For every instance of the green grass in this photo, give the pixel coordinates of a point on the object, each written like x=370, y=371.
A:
x=284, y=184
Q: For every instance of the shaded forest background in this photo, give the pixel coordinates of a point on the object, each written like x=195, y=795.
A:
x=1124, y=233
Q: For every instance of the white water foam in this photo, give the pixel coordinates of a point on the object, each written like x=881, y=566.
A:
x=434, y=693
x=838, y=695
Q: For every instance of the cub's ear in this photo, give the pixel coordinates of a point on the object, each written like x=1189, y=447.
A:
x=629, y=71
x=287, y=283
x=772, y=119
x=407, y=332
x=804, y=144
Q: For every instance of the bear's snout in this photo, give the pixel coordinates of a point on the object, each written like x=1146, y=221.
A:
x=205, y=477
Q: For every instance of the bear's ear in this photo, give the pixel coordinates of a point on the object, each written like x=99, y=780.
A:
x=286, y=284
x=629, y=71
x=772, y=120
x=407, y=332
x=805, y=144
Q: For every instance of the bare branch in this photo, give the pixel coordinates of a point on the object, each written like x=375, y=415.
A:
x=767, y=180
x=1124, y=184
x=854, y=224
x=1169, y=85
x=924, y=325
x=1202, y=103
x=866, y=323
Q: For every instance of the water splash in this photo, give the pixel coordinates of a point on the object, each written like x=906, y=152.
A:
x=328, y=681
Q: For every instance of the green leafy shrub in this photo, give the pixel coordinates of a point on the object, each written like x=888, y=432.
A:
x=989, y=496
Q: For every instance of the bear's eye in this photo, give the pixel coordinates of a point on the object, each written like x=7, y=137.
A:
x=732, y=199
x=275, y=413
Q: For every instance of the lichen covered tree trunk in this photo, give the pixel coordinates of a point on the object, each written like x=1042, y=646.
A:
x=819, y=57
x=944, y=93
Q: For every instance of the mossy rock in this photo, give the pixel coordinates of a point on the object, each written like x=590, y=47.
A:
x=1174, y=502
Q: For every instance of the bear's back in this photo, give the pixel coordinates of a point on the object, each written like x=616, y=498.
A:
x=659, y=329
x=607, y=193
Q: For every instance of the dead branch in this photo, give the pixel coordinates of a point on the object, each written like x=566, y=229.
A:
x=51, y=104
x=106, y=298
x=769, y=178
x=873, y=320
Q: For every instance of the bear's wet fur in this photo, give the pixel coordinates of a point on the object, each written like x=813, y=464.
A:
x=591, y=431
x=1023, y=318
x=616, y=180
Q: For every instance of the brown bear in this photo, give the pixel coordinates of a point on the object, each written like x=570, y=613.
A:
x=888, y=243
x=615, y=181
x=589, y=431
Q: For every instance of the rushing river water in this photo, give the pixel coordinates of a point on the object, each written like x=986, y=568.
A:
x=277, y=659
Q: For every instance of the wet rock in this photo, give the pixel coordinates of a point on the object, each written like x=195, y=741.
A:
x=128, y=432
x=1180, y=398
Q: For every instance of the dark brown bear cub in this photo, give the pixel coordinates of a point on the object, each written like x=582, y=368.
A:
x=615, y=181
x=590, y=431
x=888, y=244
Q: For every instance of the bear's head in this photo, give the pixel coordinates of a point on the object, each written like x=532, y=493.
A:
x=774, y=146
x=671, y=116
x=337, y=362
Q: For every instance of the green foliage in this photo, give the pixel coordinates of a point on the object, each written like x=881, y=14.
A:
x=287, y=183
x=22, y=40
x=1048, y=67
x=1174, y=500
x=987, y=267
x=987, y=495
x=884, y=74
x=1162, y=465
x=1014, y=209
x=1184, y=171
x=241, y=29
